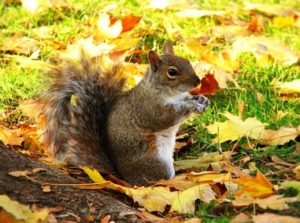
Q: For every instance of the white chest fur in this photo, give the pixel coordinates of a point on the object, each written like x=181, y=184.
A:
x=165, y=142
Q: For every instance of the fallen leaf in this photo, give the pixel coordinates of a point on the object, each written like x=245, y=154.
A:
x=279, y=137
x=107, y=30
x=18, y=173
x=128, y=22
x=194, y=13
x=263, y=46
x=215, y=160
x=257, y=187
x=284, y=21
x=292, y=87
x=93, y=174
x=208, y=86
x=22, y=212
x=10, y=136
x=179, y=182
x=292, y=184
x=235, y=128
x=296, y=170
x=153, y=198
x=19, y=45
x=271, y=9
x=274, y=218
x=184, y=202
x=241, y=218
x=209, y=177
x=275, y=202
x=178, y=4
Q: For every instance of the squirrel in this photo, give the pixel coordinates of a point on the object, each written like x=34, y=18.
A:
x=130, y=134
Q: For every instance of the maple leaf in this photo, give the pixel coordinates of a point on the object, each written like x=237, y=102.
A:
x=235, y=128
x=128, y=22
x=257, y=187
x=185, y=200
x=208, y=86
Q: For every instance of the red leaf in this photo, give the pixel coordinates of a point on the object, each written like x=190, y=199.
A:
x=128, y=22
x=208, y=86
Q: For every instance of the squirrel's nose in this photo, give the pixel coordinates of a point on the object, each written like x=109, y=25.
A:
x=197, y=80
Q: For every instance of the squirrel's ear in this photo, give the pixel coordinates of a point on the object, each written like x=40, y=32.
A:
x=154, y=60
x=168, y=48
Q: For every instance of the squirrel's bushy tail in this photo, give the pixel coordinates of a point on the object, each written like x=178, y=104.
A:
x=76, y=107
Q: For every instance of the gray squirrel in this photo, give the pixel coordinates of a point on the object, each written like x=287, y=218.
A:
x=130, y=134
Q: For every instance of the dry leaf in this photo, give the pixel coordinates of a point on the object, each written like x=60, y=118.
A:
x=22, y=212
x=292, y=87
x=214, y=160
x=128, y=22
x=241, y=218
x=279, y=137
x=264, y=46
x=106, y=30
x=257, y=187
x=185, y=200
x=10, y=136
x=275, y=202
x=19, y=45
x=235, y=128
x=271, y=9
x=208, y=86
x=194, y=13
x=273, y=218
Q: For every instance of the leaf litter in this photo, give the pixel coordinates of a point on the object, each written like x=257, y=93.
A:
x=116, y=37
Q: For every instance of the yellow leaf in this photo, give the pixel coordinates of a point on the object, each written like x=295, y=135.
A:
x=235, y=128
x=185, y=201
x=263, y=46
x=283, y=21
x=153, y=198
x=93, y=174
x=215, y=159
x=106, y=30
x=210, y=178
x=10, y=136
x=22, y=212
x=257, y=187
x=292, y=87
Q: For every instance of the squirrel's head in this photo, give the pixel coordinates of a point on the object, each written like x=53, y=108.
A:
x=171, y=71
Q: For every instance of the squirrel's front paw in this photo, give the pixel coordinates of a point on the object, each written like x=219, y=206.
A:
x=199, y=103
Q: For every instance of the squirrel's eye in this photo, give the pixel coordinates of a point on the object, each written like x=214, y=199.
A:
x=172, y=72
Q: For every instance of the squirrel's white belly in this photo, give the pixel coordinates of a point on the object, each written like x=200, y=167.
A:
x=165, y=143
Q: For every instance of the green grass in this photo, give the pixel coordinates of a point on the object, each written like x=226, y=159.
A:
x=17, y=84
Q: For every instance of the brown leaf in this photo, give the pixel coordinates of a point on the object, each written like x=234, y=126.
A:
x=19, y=45
x=241, y=218
x=274, y=218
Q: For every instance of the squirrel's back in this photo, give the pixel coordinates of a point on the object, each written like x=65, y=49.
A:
x=76, y=106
